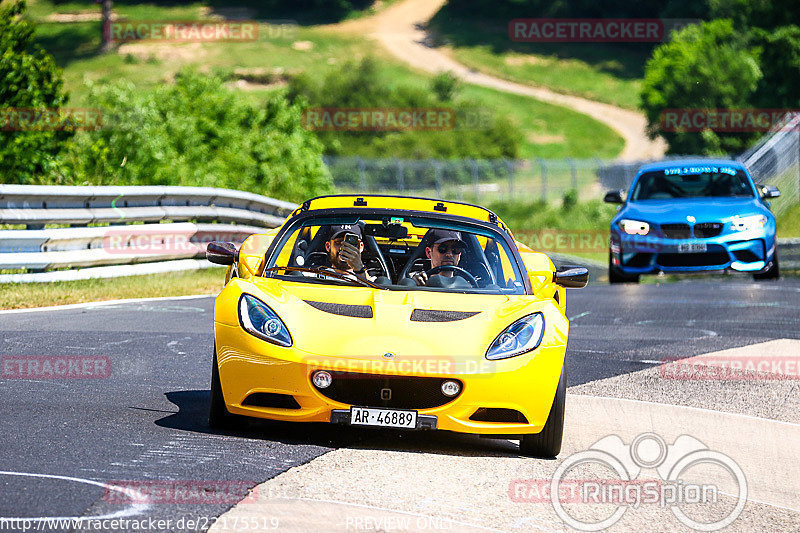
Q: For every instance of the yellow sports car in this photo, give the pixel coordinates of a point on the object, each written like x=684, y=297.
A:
x=393, y=312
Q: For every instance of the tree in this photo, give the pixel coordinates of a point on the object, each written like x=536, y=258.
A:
x=30, y=83
x=107, y=6
x=705, y=66
x=780, y=62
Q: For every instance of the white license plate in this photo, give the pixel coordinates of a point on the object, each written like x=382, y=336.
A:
x=692, y=248
x=392, y=418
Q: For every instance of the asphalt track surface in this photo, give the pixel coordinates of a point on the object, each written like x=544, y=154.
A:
x=147, y=420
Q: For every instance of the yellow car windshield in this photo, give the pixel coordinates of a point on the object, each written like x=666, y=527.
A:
x=398, y=253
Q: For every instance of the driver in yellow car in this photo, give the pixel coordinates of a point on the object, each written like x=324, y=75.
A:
x=445, y=250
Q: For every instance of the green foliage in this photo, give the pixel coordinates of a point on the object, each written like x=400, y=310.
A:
x=766, y=14
x=536, y=215
x=569, y=200
x=780, y=62
x=511, y=9
x=709, y=65
x=29, y=80
x=196, y=132
x=444, y=85
x=478, y=132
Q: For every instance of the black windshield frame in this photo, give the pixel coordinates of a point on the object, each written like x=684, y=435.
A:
x=713, y=182
x=350, y=215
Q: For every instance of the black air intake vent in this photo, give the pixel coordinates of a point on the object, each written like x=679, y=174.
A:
x=271, y=399
x=433, y=315
x=354, y=311
x=496, y=414
x=376, y=390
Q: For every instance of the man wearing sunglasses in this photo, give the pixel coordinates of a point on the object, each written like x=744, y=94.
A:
x=446, y=249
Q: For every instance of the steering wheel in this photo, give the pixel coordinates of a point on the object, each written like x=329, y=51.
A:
x=456, y=270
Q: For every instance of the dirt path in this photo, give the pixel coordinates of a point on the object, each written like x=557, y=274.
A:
x=401, y=29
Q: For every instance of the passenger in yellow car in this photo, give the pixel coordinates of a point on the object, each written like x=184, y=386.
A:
x=445, y=250
x=344, y=255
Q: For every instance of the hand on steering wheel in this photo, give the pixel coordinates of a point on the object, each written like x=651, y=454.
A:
x=456, y=270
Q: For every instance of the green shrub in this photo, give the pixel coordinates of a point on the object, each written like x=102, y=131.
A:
x=444, y=85
x=196, y=132
x=29, y=79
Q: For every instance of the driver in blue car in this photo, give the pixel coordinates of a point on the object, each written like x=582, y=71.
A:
x=445, y=250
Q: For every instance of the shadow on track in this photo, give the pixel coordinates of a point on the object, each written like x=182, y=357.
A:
x=192, y=416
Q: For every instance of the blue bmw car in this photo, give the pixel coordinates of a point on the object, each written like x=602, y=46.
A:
x=692, y=216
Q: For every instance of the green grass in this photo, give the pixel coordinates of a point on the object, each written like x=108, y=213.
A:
x=789, y=222
x=610, y=73
x=24, y=295
x=548, y=131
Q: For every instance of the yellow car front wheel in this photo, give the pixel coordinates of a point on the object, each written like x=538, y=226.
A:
x=547, y=443
x=218, y=415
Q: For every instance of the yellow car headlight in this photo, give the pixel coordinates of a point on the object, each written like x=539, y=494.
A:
x=258, y=319
x=520, y=337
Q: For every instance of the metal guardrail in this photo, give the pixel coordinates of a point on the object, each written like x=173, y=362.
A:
x=125, y=246
x=140, y=225
x=789, y=253
x=37, y=205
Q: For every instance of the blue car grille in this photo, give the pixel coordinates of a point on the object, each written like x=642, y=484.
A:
x=703, y=230
x=706, y=230
x=676, y=231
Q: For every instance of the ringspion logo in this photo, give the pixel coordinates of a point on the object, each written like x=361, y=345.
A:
x=692, y=480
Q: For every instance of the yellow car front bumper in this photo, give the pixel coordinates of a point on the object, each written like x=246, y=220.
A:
x=525, y=384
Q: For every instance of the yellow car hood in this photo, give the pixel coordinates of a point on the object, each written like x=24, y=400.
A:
x=320, y=319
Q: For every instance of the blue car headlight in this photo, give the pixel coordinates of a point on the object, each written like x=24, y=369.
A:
x=634, y=227
x=258, y=319
x=748, y=223
x=520, y=337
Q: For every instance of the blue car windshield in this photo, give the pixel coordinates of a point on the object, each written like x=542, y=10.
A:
x=692, y=182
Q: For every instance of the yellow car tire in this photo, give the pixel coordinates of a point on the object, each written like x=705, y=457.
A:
x=218, y=415
x=547, y=443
